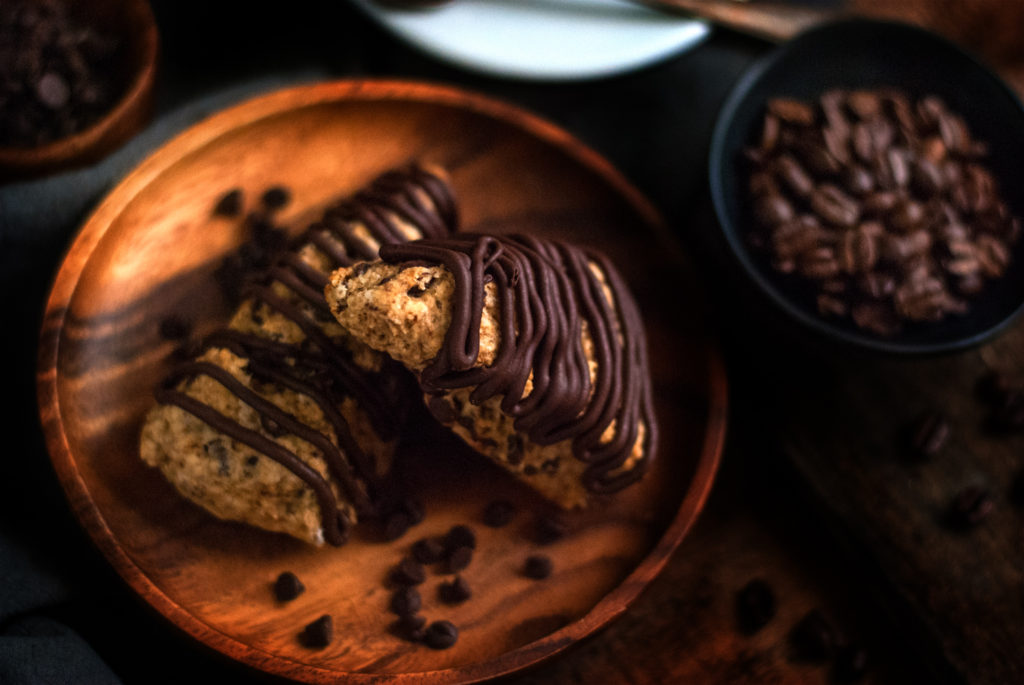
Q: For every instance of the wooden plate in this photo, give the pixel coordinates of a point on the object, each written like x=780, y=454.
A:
x=149, y=251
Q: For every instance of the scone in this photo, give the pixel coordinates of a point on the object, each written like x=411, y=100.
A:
x=532, y=351
x=284, y=421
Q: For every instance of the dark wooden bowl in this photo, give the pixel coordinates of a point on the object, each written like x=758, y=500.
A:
x=149, y=250
x=132, y=21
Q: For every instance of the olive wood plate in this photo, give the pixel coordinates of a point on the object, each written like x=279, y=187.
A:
x=149, y=251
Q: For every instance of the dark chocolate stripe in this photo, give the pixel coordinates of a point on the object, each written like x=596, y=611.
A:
x=413, y=195
x=546, y=292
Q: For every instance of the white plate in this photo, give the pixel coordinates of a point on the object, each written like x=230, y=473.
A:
x=542, y=39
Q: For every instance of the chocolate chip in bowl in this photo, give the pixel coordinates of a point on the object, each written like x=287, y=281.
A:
x=863, y=178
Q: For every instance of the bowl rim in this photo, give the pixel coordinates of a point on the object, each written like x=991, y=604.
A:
x=717, y=167
x=142, y=79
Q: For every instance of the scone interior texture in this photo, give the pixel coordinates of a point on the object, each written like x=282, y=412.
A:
x=284, y=421
x=532, y=351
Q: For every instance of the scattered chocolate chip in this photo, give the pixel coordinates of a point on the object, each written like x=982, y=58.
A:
x=460, y=536
x=318, y=634
x=549, y=529
x=408, y=572
x=411, y=628
x=850, y=665
x=813, y=638
x=538, y=567
x=406, y=601
x=499, y=513
x=276, y=197
x=929, y=434
x=428, y=551
x=970, y=506
x=455, y=591
x=459, y=558
x=174, y=327
x=441, y=635
x=396, y=525
x=229, y=204
x=755, y=606
x=271, y=426
x=287, y=587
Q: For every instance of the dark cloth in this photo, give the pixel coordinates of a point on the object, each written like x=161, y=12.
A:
x=64, y=615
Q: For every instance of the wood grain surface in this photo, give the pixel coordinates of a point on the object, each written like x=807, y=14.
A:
x=149, y=251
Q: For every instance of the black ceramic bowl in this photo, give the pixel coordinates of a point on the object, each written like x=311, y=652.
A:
x=865, y=54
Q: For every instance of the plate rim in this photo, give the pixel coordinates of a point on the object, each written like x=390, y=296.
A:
x=89, y=516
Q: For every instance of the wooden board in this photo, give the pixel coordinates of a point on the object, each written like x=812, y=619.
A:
x=149, y=250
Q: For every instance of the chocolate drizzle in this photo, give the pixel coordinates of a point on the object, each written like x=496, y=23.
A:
x=546, y=291
x=320, y=367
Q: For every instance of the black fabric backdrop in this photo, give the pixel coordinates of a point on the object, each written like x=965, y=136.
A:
x=65, y=616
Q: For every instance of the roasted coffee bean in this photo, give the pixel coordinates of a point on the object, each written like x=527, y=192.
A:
x=794, y=175
x=850, y=665
x=858, y=251
x=922, y=300
x=993, y=256
x=898, y=167
x=929, y=435
x=460, y=536
x=549, y=529
x=411, y=628
x=863, y=143
x=318, y=634
x=814, y=638
x=928, y=180
x=770, y=132
x=880, y=203
x=406, y=601
x=837, y=142
x=791, y=111
x=908, y=217
x=538, y=567
x=875, y=317
x=902, y=248
x=428, y=551
x=819, y=263
x=441, y=635
x=408, y=572
x=276, y=197
x=970, y=506
x=287, y=587
x=793, y=238
x=858, y=180
x=865, y=104
x=829, y=305
x=755, y=606
x=835, y=206
x=229, y=204
x=459, y=558
x=499, y=513
x=454, y=592
x=774, y=209
x=877, y=285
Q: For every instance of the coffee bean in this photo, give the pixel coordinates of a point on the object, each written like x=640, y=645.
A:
x=549, y=530
x=411, y=628
x=318, y=634
x=791, y=111
x=276, y=197
x=930, y=434
x=538, y=567
x=813, y=638
x=774, y=209
x=459, y=558
x=835, y=206
x=454, y=592
x=408, y=572
x=460, y=536
x=850, y=666
x=406, y=601
x=229, y=204
x=428, y=551
x=499, y=513
x=794, y=175
x=755, y=606
x=441, y=635
x=970, y=506
x=287, y=587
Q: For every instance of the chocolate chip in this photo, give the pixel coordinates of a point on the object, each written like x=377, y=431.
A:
x=813, y=638
x=396, y=525
x=428, y=551
x=174, y=327
x=499, y=513
x=460, y=536
x=287, y=587
x=441, y=635
x=408, y=572
x=459, y=558
x=755, y=606
x=538, y=567
x=970, y=506
x=229, y=204
x=851, y=664
x=549, y=530
x=406, y=601
x=929, y=434
x=318, y=634
x=276, y=197
x=411, y=628
x=455, y=591
x=272, y=427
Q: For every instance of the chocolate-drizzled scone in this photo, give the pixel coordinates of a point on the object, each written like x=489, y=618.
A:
x=532, y=351
x=284, y=421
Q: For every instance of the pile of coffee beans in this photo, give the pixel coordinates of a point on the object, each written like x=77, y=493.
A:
x=57, y=76
x=881, y=202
